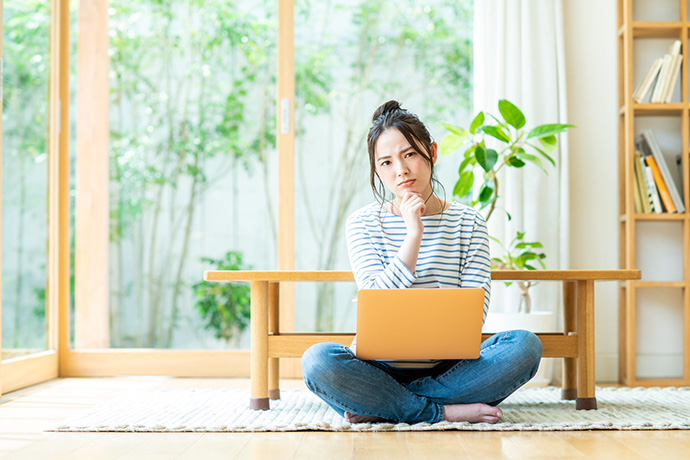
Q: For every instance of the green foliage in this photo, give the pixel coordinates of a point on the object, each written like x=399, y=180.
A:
x=26, y=71
x=519, y=255
x=224, y=307
x=514, y=145
x=182, y=93
x=192, y=100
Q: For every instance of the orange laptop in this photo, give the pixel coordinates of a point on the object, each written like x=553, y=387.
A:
x=414, y=324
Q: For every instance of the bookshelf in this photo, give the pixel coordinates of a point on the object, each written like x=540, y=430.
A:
x=654, y=313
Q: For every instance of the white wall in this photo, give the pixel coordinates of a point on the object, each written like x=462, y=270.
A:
x=592, y=80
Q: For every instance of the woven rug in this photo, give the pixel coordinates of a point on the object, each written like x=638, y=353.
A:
x=533, y=409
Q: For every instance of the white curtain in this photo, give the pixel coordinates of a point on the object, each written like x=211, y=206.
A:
x=519, y=56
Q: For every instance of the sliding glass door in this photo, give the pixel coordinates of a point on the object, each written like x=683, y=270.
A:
x=206, y=135
x=31, y=152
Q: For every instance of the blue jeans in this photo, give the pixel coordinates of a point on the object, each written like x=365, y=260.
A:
x=372, y=388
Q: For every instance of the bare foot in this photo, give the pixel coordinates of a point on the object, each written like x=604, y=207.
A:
x=353, y=418
x=473, y=413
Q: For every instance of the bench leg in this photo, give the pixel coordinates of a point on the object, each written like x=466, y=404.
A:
x=273, y=377
x=259, y=346
x=569, y=386
x=586, y=398
x=273, y=328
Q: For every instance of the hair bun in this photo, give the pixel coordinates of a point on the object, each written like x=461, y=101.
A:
x=385, y=108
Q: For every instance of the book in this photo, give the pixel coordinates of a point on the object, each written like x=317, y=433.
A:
x=673, y=78
x=654, y=198
x=649, y=146
x=637, y=197
x=661, y=186
x=661, y=81
x=641, y=182
x=679, y=165
x=665, y=74
x=648, y=82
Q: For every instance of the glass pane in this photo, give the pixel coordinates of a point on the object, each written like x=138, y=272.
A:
x=192, y=167
x=350, y=57
x=24, y=176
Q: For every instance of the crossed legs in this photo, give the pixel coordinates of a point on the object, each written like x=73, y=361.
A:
x=464, y=390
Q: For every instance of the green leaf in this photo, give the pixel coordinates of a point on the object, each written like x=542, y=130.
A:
x=496, y=240
x=514, y=161
x=547, y=130
x=535, y=244
x=454, y=129
x=451, y=143
x=511, y=114
x=484, y=204
x=531, y=158
x=549, y=143
x=464, y=184
x=467, y=161
x=470, y=151
x=496, y=132
x=477, y=122
x=486, y=158
x=542, y=153
x=485, y=192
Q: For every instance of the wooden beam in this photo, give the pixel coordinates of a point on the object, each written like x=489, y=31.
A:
x=569, y=372
x=102, y=362
x=259, y=344
x=293, y=345
x=59, y=321
x=28, y=370
x=496, y=275
x=58, y=291
x=286, y=159
x=92, y=211
x=585, y=361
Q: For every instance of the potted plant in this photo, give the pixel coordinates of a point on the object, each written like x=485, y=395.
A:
x=490, y=144
x=224, y=307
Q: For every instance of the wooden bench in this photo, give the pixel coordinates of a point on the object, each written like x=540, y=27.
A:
x=575, y=344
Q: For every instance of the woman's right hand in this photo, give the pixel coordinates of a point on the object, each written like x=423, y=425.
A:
x=412, y=208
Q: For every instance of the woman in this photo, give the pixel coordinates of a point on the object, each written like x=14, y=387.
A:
x=417, y=240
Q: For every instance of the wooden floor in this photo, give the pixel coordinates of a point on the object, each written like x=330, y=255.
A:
x=24, y=414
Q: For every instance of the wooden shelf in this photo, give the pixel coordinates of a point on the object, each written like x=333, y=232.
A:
x=656, y=382
x=631, y=36
x=655, y=110
x=660, y=284
x=671, y=109
x=664, y=216
x=643, y=29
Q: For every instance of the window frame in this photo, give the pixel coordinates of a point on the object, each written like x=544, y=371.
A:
x=86, y=359
x=38, y=367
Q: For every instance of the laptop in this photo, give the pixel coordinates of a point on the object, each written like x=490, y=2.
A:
x=417, y=324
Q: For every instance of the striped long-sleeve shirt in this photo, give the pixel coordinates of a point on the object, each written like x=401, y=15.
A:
x=454, y=251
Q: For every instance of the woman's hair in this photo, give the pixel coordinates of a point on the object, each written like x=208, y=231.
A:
x=391, y=115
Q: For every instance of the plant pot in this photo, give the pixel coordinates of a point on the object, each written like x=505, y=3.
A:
x=536, y=321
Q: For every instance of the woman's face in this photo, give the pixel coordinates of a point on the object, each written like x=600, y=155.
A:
x=400, y=167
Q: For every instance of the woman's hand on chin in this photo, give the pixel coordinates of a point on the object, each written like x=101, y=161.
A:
x=412, y=208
